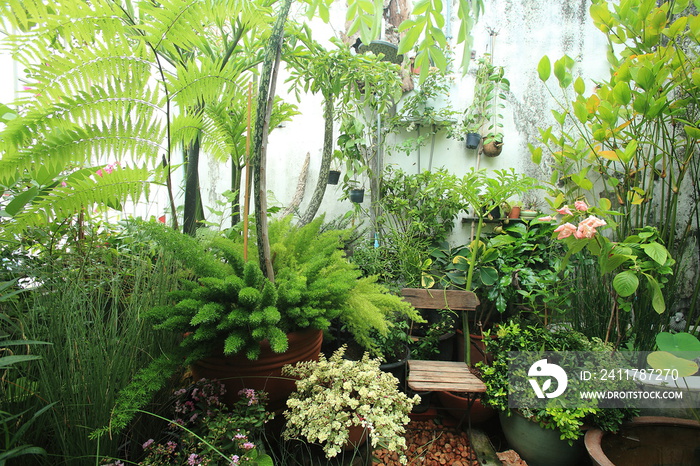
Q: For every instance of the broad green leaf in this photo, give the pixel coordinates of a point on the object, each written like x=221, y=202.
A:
x=579, y=85
x=544, y=68
x=657, y=297
x=678, y=342
x=626, y=283
x=427, y=280
x=622, y=93
x=489, y=275
x=656, y=251
x=536, y=153
x=614, y=261
x=562, y=71
x=664, y=360
x=692, y=132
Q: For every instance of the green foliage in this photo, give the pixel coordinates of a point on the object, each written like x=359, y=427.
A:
x=88, y=300
x=419, y=205
x=513, y=337
x=14, y=426
x=631, y=139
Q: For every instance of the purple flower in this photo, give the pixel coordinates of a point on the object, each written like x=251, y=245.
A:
x=148, y=443
x=193, y=459
x=240, y=436
x=234, y=460
x=248, y=446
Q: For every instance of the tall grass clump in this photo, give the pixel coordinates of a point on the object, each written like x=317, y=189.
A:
x=87, y=300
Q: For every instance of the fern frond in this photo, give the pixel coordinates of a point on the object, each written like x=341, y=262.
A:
x=172, y=26
x=197, y=84
x=82, y=193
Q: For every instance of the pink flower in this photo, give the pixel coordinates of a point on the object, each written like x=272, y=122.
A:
x=64, y=184
x=234, y=460
x=548, y=218
x=109, y=169
x=587, y=228
x=193, y=459
x=565, y=230
x=565, y=210
x=248, y=446
x=99, y=172
x=581, y=205
x=148, y=443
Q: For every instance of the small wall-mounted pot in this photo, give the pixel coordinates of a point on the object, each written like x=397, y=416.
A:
x=492, y=149
x=333, y=177
x=357, y=195
x=473, y=140
x=514, y=212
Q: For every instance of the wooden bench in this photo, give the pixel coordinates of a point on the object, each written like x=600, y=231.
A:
x=448, y=376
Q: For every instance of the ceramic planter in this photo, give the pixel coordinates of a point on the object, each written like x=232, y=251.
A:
x=237, y=372
x=646, y=441
x=539, y=446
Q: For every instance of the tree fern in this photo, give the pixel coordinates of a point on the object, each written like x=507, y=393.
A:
x=102, y=80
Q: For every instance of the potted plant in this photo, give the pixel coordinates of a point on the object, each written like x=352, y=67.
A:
x=558, y=429
x=530, y=207
x=339, y=403
x=229, y=317
x=483, y=116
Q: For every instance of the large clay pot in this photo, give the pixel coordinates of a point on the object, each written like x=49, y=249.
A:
x=539, y=446
x=265, y=373
x=647, y=441
x=457, y=405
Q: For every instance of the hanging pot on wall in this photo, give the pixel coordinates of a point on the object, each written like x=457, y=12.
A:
x=473, y=140
x=493, y=148
x=333, y=176
x=357, y=195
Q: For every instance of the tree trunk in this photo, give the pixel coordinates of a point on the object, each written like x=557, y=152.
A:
x=322, y=181
x=189, y=221
x=266, y=95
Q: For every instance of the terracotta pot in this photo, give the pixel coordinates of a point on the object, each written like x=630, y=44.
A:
x=646, y=441
x=492, y=149
x=456, y=405
x=265, y=373
x=514, y=212
x=357, y=436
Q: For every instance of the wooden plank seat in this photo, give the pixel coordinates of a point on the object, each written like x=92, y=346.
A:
x=448, y=376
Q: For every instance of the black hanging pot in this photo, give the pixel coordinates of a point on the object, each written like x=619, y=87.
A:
x=473, y=140
x=333, y=177
x=357, y=195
